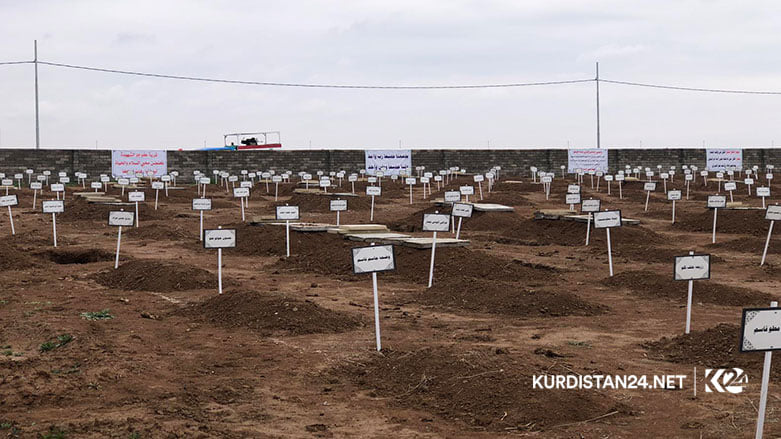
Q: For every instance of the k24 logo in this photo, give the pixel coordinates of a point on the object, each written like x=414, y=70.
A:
x=725, y=380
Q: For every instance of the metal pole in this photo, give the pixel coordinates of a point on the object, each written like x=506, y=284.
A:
x=37, y=126
x=597, y=81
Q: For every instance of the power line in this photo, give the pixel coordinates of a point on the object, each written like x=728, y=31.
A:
x=289, y=84
x=6, y=63
x=708, y=90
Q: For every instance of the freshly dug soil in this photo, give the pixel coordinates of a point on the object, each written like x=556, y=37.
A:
x=650, y=284
x=270, y=241
x=717, y=347
x=13, y=257
x=414, y=223
x=269, y=314
x=162, y=231
x=78, y=209
x=156, y=275
x=642, y=252
x=507, y=198
x=78, y=255
x=571, y=233
x=309, y=203
x=493, y=221
x=745, y=222
x=749, y=244
x=484, y=388
x=478, y=294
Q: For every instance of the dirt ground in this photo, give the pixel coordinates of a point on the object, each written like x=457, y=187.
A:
x=150, y=350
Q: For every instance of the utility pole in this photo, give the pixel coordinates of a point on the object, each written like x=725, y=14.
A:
x=597, y=81
x=37, y=125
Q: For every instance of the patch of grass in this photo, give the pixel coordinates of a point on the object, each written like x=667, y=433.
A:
x=3, y=301
x=580, y=344
x=8, y=352
x=135, y=435
x=51, y=345
x=54, y=433
x=97, y=315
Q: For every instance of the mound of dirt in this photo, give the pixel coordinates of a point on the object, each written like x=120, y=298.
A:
x=749, y=244
x=414, y=223
x=162, y=231
x=79, y=210
x=492, y=221
x=310, y=203
x=717, y=347
x=650, y=284
x=744, y=222
x=269, y=314
x=642, y=252
x=482, y=388
x=78, y=255
x=156, y=275
x=13, y=257
x=508, y=198
x=481, y=295
x=533, y=232
x=267, y=240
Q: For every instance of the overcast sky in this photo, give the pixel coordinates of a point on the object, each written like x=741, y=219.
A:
x=724, y=44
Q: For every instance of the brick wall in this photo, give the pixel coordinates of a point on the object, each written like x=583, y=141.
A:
x=512, y=161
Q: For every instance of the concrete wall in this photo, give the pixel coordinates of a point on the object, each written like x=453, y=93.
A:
x=513, y=161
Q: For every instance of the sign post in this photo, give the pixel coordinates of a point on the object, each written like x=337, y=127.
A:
x=10, y=200
x=338, y=205
x=589, y=206
x=673, y=196
x=434, y=222
x=763, y=192
x=219, y=238
x=461, y=211
x=692, y=267
x=54, y=207
x=157, y=185
x=373, y=191
x=411, y=182
x=648, y=188
x=201, y=204
x=374, y=259
x=120, y=219
x=241, y=193
x=772, y=213
x=761, y=331
x=608, y=219
x=287, y=213
x=715, y=202
x=135, y=197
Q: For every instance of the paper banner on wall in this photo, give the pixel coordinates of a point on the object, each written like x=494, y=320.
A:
x=395, y=161
x=129, y=162
x=586, y=160
x=724, y=159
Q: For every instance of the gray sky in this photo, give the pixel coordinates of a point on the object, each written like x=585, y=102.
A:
x=720, y=44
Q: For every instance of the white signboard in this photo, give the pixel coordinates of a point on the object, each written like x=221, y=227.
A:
x=388, y=161
x=127, y=163
x=373, y=259
x=463, y=210
x=649, y=187
x=338, y=205
x=53, y=206
x=724, y=159
x=730, y=186
x=219, y=238
x=436, y=222
x=673, y=195
x=692, y=267
x=717, y=201
x=157, y=185
x=373, y=190
x=586, y=160
x=118, y=218
x=287, y=212
x=573, y=189
x=135, y=196
x=590, y=206
x=607, y=219
x=38, y=186
x=467, y=190
x=452, y=196
x=8, y=200
x=773, y=213
x=761, y=329
x=202, y=204
x=572, y=199
x=763, y=191
x=240, y=192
